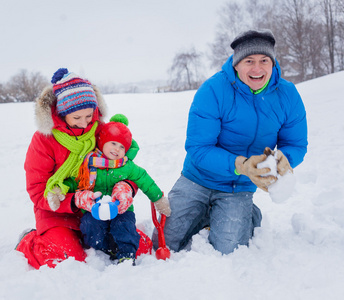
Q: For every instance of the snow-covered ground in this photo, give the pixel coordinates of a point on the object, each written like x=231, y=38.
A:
x=298, y=253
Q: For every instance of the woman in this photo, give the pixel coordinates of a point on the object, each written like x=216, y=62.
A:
x=67, y=114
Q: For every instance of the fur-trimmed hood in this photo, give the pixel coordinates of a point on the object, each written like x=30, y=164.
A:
x=45, y=107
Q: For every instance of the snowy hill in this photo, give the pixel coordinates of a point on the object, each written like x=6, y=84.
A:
x=298, y=253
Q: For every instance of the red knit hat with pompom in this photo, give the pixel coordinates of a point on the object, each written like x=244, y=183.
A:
x=117, y=131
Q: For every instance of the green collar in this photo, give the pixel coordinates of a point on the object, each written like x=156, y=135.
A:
x=257, y=91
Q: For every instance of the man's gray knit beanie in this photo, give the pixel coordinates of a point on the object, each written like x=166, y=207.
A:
x=253, y=42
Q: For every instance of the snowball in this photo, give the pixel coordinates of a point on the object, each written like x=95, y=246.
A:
x=269, y=162
x=104, y=209
x=104, y=212
x=283, y=187
x=105, y=199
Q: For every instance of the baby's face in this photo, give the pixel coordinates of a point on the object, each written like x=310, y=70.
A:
x=113, y=150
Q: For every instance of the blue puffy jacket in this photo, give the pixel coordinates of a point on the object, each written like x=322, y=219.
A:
x=227, y=120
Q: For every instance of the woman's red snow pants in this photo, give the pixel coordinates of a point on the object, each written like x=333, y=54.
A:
x=53, y=246
x=59, y=243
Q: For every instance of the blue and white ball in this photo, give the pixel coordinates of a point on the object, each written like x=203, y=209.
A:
x=105, y=209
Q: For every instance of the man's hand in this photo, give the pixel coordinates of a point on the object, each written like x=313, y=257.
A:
x=248, y=167
x=283, y=165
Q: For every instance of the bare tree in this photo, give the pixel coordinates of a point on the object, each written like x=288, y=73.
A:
x=4, y=98
x=25, y=86
x=108, y=88
x=220, y=50
x=339, y=49
x=262, y=13
x=297, y=33
x=309, y=36
x=328, y=9
x=319, y=63
x=184, y=72
x=231, y=22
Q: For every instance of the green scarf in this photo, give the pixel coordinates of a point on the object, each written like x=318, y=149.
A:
x=78, y=149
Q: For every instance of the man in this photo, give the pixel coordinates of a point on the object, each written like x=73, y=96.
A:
x=235, y=115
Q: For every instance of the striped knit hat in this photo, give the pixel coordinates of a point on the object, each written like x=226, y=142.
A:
x=72, y=92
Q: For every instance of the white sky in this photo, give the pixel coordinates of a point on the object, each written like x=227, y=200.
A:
x=108, y=41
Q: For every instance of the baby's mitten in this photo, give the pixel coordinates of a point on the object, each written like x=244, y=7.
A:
x=86, y=199
x=163, y=206
x=122, y=192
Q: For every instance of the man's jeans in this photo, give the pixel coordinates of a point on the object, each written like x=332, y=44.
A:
x=231, y=216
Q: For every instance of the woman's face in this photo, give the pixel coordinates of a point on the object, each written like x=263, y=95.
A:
x=80, y=118
x=255, y=70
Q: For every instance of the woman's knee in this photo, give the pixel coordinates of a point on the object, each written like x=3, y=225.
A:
x=54, y=245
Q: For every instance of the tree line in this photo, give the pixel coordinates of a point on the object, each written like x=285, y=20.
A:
x=309, y=44
x=25, y=86
x=309, y=38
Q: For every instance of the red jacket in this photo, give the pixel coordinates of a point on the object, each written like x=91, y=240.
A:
x=44, y=156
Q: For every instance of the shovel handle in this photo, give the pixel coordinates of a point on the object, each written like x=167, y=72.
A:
x=159, y=226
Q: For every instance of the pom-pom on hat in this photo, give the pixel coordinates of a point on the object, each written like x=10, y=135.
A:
x=72, y=92
x=253, y=42
x=117, y=131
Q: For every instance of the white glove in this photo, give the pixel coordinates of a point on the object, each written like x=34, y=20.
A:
x=54, y=198
x=283, y=165
x=163, y=206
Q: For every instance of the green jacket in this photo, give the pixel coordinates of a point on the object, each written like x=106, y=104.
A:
x=107, y=178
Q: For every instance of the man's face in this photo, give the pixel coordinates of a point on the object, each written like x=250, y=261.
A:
x=255, y=70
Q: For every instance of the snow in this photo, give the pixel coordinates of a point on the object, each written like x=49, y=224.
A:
x=271, y=163
x=281, y=190
x=298, y=253
x=283, y=187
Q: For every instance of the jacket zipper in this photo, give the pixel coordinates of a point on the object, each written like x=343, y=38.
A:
x=255, y=134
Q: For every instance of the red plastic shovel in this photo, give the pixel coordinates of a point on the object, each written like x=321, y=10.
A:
x=162, y=252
